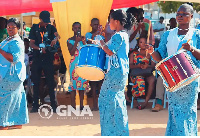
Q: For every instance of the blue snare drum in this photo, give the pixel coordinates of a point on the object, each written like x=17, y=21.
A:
x=91, y=62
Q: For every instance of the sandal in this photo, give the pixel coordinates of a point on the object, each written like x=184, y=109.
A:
x=139, y=107
x=15, y=127
x=3, y=128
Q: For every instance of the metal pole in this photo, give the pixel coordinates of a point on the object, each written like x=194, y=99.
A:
x=22, y=26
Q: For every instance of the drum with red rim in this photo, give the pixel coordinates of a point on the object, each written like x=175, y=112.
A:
x=177, y=70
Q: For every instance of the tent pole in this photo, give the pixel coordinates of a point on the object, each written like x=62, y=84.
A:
x=21, y=25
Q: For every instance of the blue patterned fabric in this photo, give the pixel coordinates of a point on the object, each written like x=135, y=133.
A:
x=112, y=103
x=183, y=102
x=13, y=103
x=198, y=26
x=120, y=42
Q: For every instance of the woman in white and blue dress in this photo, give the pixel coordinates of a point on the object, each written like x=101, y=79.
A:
x=112, y=103
x=13, y=103
x=182, y=103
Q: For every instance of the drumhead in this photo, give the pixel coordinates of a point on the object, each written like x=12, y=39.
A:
x=91, y=73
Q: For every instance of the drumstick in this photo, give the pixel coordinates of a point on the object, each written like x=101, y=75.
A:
x=148, y=36
x=149, y=32
x=186, y=42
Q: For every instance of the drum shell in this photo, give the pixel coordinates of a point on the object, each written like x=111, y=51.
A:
x=91, y=57
x=177, y=70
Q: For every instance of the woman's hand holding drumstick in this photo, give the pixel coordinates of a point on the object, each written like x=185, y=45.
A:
x=186, y=46
x=149, y=49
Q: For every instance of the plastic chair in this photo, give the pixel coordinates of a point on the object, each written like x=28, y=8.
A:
x=62, y=77
x=142, y=100
x=165, y=99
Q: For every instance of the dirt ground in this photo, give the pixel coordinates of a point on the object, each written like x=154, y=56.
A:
x=141, y=123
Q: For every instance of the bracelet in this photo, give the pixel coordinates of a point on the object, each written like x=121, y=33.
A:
x=151, y=53
x=192, y=49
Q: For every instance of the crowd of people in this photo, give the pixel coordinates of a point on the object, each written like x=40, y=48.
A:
x=129, y=41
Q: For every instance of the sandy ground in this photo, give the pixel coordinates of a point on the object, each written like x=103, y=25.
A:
x=141, y=123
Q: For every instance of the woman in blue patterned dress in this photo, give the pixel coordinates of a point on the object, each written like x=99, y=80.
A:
x=112, y=103
x=13, y=103
x=76, y=83
x=182, y=102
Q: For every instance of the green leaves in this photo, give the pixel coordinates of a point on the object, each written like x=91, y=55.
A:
x=172, y=6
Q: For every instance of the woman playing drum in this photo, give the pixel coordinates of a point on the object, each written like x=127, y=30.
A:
x=182, y=102
x=112, y=103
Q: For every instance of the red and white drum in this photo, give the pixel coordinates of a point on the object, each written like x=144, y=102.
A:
x=177, y=70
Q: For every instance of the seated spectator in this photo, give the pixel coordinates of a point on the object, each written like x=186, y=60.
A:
x=160, y=91
x=139, y=59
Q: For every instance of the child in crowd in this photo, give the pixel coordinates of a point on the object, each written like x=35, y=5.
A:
x=76, y=83
x=96, y=30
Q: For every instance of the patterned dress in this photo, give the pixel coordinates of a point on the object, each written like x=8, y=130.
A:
x=13, y=103
x=138, y=88
x=76, y=82
x=182, y=105
x=112, y=103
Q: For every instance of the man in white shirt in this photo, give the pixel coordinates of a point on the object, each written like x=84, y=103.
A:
x=159, y=28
